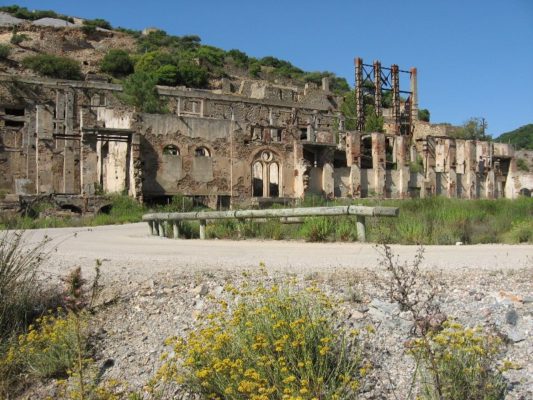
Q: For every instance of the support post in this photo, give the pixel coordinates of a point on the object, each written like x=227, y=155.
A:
x=202, y=229
x=176, y=229
x=162, y=228
x=361, y=232
x=359, y=107
x=151, y=226
x=395, y=75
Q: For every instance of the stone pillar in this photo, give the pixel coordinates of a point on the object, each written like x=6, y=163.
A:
x=355, y=181
x=490, y=185
x=403, y=184
x=175, y=229
x=414, y=95
x=203, y=223
x=328, y=182
x=378, y=162
x=353, y=149
x=470, y=169
x=451, y=184
x=325, y=84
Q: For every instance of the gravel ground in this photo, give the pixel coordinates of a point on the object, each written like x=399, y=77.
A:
x=155, y=288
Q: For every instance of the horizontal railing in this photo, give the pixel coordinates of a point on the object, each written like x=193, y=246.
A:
x=159, y=223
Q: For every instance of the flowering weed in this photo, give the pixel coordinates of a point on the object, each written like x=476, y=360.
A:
x=275, y=343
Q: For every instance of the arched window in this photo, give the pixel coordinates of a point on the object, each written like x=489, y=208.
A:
x=202, y=152
x=265, y=175
x=171, y=150
x=257, y=179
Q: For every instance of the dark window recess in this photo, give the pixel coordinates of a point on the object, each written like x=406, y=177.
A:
x=171, y=150
x=14, y=124
x=15, y=112
x=303, y=133
x=201, y=152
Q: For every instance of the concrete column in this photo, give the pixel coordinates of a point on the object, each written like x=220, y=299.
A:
x=414, y=96
x=490, y=185
x=162, y=228
x=378, y=162
x=203, y=223
x=176, y=229
x=328, y=183
x=325, y=84
x=361, y=230
x=355, y=181
x=403, y=184
x=470, y=170
x=151, y=227
x=353, y=148
x=451, y=184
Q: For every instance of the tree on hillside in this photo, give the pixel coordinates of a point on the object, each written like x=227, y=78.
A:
x=472, y=129
x=139, y=90
x=521, y=138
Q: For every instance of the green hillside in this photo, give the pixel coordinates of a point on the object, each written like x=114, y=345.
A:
x=521, y=138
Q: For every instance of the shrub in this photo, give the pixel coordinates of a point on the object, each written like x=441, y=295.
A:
x=317, y=229
x=117, y=63
x=98, y=22
x=167, y=75
x=18, y=38
x=276, y=343
x=239, y=58
x=423, y=115
x=48, y=349
x=458, y=363
x=192, y=75
x=139, y=90
x=21, y=296
x=54, y=66
x=521, y=164
x=4, y=51
x=255, y=69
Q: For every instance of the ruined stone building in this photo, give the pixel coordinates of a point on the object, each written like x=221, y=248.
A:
x=252, y=141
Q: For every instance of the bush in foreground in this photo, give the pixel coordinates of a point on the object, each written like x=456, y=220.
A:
x=276, y=343
x=458, y=363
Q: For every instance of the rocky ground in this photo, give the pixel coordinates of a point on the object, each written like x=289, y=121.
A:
x=157, y=297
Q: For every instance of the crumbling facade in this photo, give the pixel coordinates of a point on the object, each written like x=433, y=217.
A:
x=253, y=141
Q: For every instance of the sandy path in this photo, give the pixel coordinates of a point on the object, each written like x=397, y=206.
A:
x=129, y=250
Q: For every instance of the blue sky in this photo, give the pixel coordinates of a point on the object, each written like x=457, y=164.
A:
x=474, y=57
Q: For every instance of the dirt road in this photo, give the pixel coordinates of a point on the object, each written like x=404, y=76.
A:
x=129, y=250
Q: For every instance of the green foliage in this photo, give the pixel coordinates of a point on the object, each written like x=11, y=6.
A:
x=159, y=40
x=336, y=84
x=48, y=349
x=317, y=229
x=192, y=75
x=117, y=63
x=274, y=343
x=139, y=90
x=167, y=75
x=458, y=363
x=255, y=69
x=24, y=13
x=98, y=23
x=151, y=61
x=5, y=50
x=239, y=58
x=521, y=138
x=520, y=232
x=373, y=122
x=521, y=164
x=417, y=166
x=53, y=66
x=423, y=115
x=18, y=38
x=210, y=55
x=21, y=295
x=472, y=129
